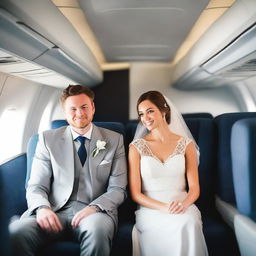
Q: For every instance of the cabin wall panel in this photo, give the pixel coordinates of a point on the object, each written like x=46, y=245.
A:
x=157, y=76
x=250, y=83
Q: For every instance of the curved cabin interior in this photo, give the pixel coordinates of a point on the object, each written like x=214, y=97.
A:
x=200, y=54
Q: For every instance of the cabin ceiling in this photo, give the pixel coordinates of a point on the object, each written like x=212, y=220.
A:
x=145, y=30
x=114, y=33
x=119, y=32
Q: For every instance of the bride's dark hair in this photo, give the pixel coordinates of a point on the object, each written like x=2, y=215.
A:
x=157, y=99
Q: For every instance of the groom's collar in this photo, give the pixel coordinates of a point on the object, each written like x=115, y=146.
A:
x=87, y=135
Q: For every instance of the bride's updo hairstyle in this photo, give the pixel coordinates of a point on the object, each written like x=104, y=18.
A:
x=157, y=99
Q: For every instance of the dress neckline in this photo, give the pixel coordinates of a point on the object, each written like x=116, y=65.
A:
x=171, y=155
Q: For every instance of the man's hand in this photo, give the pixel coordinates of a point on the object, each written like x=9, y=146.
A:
x=85, y=212
x=48, y=220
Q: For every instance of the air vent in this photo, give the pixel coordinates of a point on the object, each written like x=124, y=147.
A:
x=248, y=66
x=9, y=60
x=6, y=58
x=245, y=69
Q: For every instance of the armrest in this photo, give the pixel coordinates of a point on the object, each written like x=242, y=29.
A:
x=227, y=211
x=245, y=229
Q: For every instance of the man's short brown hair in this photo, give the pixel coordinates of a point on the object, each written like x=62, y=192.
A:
x=73, y=90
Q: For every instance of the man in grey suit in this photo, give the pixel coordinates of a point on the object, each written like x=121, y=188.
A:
x=77, y=182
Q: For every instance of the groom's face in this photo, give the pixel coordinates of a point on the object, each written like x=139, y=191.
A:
x=79, y=111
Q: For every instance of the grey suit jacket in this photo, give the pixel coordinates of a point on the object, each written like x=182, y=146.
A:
x=52, y=174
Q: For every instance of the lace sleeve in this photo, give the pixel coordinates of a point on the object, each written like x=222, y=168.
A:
x=141, y=146
x=182, y=145
x=188, y=141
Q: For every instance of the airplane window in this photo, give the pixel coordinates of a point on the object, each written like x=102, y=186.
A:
x=11, y=145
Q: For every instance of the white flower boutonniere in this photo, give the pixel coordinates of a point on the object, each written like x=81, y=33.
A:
x=100, y=145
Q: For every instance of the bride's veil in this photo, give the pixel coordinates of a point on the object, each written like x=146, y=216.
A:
x=177, y=125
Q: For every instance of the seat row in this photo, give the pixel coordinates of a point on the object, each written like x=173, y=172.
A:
x=224, y=140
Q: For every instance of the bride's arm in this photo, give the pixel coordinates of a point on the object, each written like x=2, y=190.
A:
x=193, y=181
x=135, y=183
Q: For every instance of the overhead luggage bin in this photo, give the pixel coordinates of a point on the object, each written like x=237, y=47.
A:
x=27, y=32
x=224, y=54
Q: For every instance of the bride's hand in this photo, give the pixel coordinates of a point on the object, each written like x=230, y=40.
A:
x=166, y=208
x=176, y=207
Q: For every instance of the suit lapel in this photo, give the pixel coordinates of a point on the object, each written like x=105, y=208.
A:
x=94, y=161
x=67, y=149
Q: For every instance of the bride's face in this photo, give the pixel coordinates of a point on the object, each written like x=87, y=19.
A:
x=149, y=114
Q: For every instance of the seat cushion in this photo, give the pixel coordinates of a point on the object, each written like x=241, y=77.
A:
x=65, y=248
x=220, y=238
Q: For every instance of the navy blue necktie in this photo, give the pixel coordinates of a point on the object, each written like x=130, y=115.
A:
x=82, y=151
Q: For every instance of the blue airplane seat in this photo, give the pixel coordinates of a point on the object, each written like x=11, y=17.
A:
x=13, y=190
x=114, y=126
x=198, y=115
x=224, y=123
x=243, y=151
x=226, y=200
x=4, y=220
x=12, y=196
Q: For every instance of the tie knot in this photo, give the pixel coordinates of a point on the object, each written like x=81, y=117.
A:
x=81, y=139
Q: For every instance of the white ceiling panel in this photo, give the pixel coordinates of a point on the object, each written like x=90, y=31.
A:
x=145, y=30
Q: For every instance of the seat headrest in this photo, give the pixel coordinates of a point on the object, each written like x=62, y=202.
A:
x=114, y=126
x=55, y=124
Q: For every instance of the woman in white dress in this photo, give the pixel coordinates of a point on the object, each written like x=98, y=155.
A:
x=162, y=164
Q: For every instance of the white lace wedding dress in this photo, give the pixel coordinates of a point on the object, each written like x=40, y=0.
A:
x=159, y=233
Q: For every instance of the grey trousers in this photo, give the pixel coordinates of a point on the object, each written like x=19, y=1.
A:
x=95, y=234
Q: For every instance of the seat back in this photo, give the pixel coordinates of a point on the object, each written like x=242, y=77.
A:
x=224, y=123
x=197, y=115
x=243, y=152
x=203, y=131
x=13, y=191
x=4, y=235
x=114, y=126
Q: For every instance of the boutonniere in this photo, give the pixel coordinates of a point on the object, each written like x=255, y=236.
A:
x=100, y=145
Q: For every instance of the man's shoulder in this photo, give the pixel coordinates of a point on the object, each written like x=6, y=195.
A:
x=55, y=132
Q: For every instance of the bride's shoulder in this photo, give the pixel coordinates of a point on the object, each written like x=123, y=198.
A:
x=140, y=144
x=137, y=142
x=185, y=140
